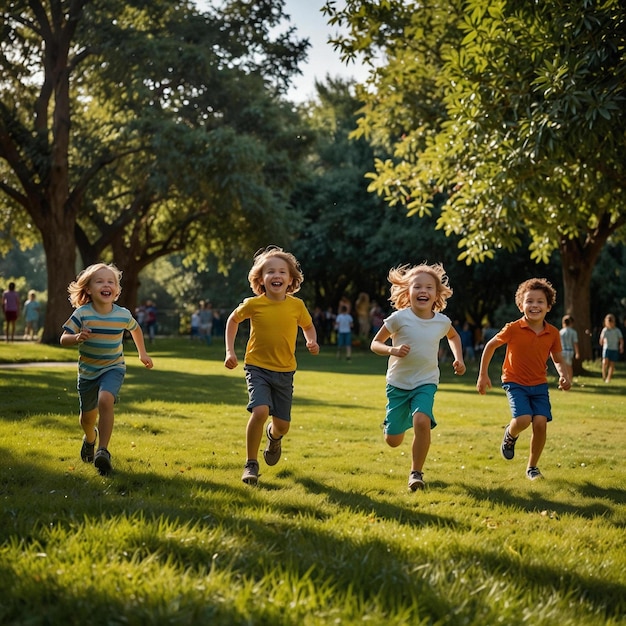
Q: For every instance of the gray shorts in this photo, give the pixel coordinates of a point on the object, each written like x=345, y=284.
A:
x=272, y=389
x=89, y=389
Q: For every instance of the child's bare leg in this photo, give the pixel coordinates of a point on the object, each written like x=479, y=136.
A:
x=605, y=363
x=87, y=421
x=254, y=431
x=106, y=401
x=519, y=424
x=279, y=427
x=421, y=440
x=610, y=371
x=537, y=439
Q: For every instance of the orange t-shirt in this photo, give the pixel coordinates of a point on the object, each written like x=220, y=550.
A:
x=527, y=352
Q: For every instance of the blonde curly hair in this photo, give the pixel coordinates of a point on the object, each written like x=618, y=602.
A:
x=400, y=278
x=255, y=275
x=78, y=288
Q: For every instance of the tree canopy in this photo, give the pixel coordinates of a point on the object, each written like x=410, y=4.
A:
x=514, y=110
x=131, y=130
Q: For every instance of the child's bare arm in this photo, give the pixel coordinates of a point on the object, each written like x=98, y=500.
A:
x=380, y=347
x=310, y=334
x=232, y=326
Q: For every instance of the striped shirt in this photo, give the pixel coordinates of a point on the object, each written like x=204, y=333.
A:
x=103, y=350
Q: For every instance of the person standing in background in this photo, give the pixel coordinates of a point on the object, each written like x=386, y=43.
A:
x=32, y=311
x=11, y=308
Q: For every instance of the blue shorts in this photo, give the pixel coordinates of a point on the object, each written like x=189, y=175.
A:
x=344, y=339
x=272, y=389
x=89, y=389
x=528, y=400
x=611, y=355
x=402, y=404
x=568, y=356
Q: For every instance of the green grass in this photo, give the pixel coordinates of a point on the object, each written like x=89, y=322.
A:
x=331, y=535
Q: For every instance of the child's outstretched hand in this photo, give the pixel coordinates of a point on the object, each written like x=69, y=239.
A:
x=482, y=384
x=231, y=360
x=459, y=368
x=401, y=350
x=146, y=360
x=564, y=383
x=313, y=347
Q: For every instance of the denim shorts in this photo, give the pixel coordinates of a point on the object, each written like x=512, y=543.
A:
x=611, y=355
x=269, y=388
x=528, y=400
x=88, y=389
x=403, y=403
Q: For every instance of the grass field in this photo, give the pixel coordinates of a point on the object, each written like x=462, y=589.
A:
x=331, y=535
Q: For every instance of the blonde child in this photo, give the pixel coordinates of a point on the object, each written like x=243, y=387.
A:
x=416, y=327
x=97, y=327
x=270, y=362
x=612, y=342
x=529, y=342
x=32, y=311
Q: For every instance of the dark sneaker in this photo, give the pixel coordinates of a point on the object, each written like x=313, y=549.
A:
x=272, y=451
x=508, y=445
x=251, y=473
x=87, y=449
x=533, y=473
x=416, y=480
x=102, y=461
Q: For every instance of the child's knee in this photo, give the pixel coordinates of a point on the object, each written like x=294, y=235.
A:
x=393, y=441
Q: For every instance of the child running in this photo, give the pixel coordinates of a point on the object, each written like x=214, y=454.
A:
x=529, y=342
x=97, y=327
x=270, y=362
x=418, y=294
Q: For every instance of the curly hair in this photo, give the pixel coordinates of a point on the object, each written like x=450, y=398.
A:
x=255, y=275
x=536, y=284
x=400, y=278
x=78, y=288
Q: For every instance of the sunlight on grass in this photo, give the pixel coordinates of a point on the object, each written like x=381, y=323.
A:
x=331, y=535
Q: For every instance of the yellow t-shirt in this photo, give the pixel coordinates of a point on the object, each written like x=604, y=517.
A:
x=273, y=331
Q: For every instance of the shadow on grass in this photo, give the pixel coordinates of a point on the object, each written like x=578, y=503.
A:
x=244, y=542
x=536, y=502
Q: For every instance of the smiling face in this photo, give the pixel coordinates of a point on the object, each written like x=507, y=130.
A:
x=423, y=293
x=534, y=306
x=103, y=288
x=276, y=278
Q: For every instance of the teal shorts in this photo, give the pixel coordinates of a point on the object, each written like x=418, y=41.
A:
x=402, y=404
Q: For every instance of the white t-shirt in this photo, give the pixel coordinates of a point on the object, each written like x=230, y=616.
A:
x=344, y=322
x=421, y=365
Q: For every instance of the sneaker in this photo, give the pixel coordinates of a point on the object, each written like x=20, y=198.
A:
x=272, y=451
x=416, y=480
x=102, y=461
x=533, y=473
x=87, y=449
x=508, y=445
x=251, y=473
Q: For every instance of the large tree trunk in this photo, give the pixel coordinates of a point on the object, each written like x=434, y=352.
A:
x=577, y=263
x=60, y=252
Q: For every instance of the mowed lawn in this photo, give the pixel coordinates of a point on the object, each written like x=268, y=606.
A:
x=331, y=535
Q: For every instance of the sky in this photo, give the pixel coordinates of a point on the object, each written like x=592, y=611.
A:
x=311, y=24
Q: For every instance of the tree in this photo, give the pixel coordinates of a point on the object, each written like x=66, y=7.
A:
x=92, y=92
x=515, y=110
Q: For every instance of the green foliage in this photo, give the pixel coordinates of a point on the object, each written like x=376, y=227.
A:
x=134, y=130
x=331, y=533
x=513, y=110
